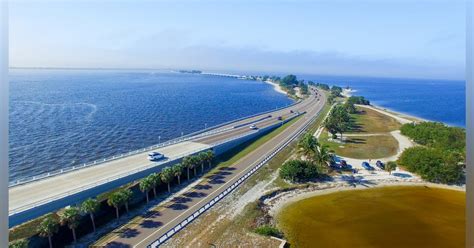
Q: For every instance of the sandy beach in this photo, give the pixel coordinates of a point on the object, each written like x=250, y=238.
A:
x=276, y=87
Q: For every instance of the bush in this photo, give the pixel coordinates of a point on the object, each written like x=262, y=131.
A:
x=267, y=230
x=436, y=135
x=434, y=165
x=358, y=100
x=298, y=170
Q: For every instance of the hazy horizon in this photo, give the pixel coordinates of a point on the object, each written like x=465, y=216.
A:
x=371, y=39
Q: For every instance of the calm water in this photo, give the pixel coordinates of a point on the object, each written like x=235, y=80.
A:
x=380, y=217
x=437, y=100
x=60, y=118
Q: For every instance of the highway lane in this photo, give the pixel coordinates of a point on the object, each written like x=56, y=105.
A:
x=26, y=196
x=142, y=232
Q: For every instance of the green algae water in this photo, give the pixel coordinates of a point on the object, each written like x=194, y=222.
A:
x=378, y=217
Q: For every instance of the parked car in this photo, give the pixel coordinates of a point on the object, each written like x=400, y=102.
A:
x=343, y=163
x=154, y=156
x=367, y=166
x=253, y=126
x=380, y=164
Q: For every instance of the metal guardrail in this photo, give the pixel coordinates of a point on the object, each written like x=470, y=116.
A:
x=191, y=136
x=229, y=189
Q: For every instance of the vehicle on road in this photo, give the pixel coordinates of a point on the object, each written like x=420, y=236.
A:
x=280, y=118
x=291, y=111
x=367, y=166
x=253, y=127
x=380, y=164
x=154, y=156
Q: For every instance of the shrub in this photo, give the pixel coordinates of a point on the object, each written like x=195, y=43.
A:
x=267, y=230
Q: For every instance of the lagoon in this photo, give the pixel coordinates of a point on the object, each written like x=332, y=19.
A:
x=401, y=216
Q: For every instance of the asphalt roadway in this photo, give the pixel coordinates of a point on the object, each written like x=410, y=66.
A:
x=153, y=224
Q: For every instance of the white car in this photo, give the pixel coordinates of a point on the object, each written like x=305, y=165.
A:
x=153, y=156
x=253, y=127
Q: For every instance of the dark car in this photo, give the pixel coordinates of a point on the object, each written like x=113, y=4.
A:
x=280, y=118
x=367, y=166
x=343, y=163
x=380, y=164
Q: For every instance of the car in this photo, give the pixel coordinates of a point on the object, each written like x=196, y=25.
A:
x=269, y=116
x=280, y=118
x=154, y=156
x=367, y=166
x=343, y=163
x=291, y=111
x=380, y=164
x=253, y=127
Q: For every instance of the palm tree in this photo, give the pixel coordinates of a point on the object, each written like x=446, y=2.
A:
x=90, y=206
x=155, y=179
x=177, y=171
x=70, y=217
x=308, y=146
x=202, y=157
x=188, y=163
x=145, y=185
x=194, y=163
x=47, y=227
x=390, y=166
x=167, y=176
x=209, y=157
x=127, y=195
x=115, y=200
x=323, y=156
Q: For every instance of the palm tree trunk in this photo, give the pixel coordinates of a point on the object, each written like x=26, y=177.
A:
x=154, y=191
x=126, y=207
x=209, y=164
x=194, y=171
x=50, y=242
x=93, y=222
x=74, y=234
x=179, y=180
x=188, y=173
x=202, y=168
x=169, y=188
x=147, y=199
x=117, y=212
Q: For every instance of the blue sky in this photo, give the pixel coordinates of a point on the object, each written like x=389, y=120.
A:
x=423, y=39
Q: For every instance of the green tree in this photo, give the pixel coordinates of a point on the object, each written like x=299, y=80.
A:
x=90, y=206
x=155, y=180
x=115, y=200
x=390, y=166
x=308, y=146
x=202, y=159
x=209, y=157
x=177, y=171
x=21, y=243
x=70, y=217
x=324, y=157
x=188, y=162
x=350, y=108
x=48, y=227
x=145, y=186
x=338, y=120
x=127, y=196
x=291, y=170
x=167, y=176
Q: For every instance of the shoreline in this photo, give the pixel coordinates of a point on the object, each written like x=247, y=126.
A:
x=277, y=203
x=276, y=87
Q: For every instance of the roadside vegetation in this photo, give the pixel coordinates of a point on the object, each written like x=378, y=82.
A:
x=441, y=158
x=67, y=225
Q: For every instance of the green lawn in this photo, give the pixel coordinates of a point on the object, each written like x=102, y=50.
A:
x=370, y=121
x=363, y=147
